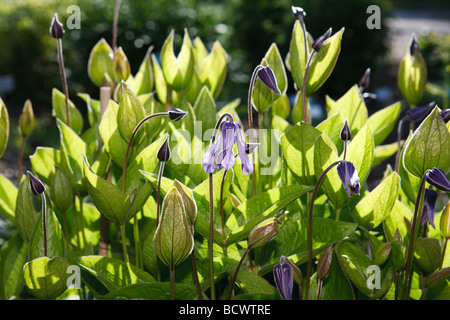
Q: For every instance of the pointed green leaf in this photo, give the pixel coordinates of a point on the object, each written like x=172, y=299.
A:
x=59, y=110
x=323, y=63
x=361, y=152
x=298, y=151
x=100, y=62
x=8, y=195
x=429, y=147
x=427, y=254
x=378, y=204
x=252, y=283
x=13, y=256
x=4, y=127
x=205, y=109
x=55, y=239
x=352, y=108
x=130, y=112
x=143, y=81
x=214, y=69
x=173, y=240
x=258, y=208
x=383, y=121
x=109, y=199
x=43, y=161
x=47, y=278
x=28, y=209
x=297, y=57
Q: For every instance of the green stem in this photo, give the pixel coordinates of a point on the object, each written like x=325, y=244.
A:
x=44, y=221
x=236, y=272
x=115, y=22
x=130, y=142
x=158, y=213
x=124, y=242
x=137, y=242
x=19, y=158
x=305, y=76
x=211, y=235
x=172, y=283
x=443, y=251
x=413, y=233
x=310, y=227
x=82, y=223
x=63, y=78
x=197, y=282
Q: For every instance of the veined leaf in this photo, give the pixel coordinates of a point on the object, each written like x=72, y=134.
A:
x=382, y=122
x=59, y=110
x=429, y=147
x=214, y=69
x=100, y=62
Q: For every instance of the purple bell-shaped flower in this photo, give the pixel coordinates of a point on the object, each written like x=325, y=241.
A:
x=284, y=278
x=349, y=177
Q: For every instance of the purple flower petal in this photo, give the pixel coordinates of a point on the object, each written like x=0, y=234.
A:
x=284, y=279
x=428, y=206
x=445, y=114
x=209, y=157
x=349, y=177
x=437, y=178
x=267, y=77
x=247, y=165
x=226, y=158
x=318, y=43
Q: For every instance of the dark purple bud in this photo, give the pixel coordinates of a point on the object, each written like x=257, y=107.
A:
x=346, y=134
x=324, y=264
x=414, y=47
x=365, y=79
x=298, y=12
x=37, y=186
x=419, y=113
x=437, y=178
x=267, y=77
x=164, y=151
x=283, y=276
x=428, y=206
x=445, y=114
x=318, y=43
x=56, y=28
x=176, y=114
x=250, y=147
x=349, y=177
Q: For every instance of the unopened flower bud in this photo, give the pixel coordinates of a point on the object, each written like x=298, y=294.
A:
x=121, y=65
x=37, y=186
x=318, y=43
x=437, y=178
x=298, y=276
x=324, y=264
x=176, y=114
x=414, y=46
x=263, y=233
x=346, y=134
x=283, y=277
x=417, y=114
x=56, y=28
x=298, y=12
x=26, y=119
x=266, y=75
x=382, y=253
x=365, y=79
x=164, y=151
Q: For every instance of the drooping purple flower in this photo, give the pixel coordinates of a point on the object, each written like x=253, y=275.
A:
x=284, y=278
x=220, y=153
x=428, y=206
x=176, y=114
x=437, y=178
x=266, y=75
x=349, y=177
x=418, y=113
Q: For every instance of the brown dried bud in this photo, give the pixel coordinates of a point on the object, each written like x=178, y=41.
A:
x=324, y=264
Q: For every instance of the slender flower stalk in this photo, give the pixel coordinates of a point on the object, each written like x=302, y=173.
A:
x=316, y=45
x=57, y=32
x=115, y=22
x=174, y=114
x=38, y=188
x=310, y=227
x=413, y=234
x=260, y=235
